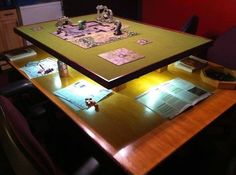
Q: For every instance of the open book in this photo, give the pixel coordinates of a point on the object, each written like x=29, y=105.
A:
x=34, y=69
x=172, y=97
x=20, y=54
x=75, y=94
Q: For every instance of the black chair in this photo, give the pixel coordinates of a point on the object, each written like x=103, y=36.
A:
x=11, y=81
x=191, y=25
x=15, y=86
x=26, y=155
x=223, y=50
x=231, y=169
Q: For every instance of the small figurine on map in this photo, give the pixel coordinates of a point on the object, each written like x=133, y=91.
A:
x=99, y=12
x=118, y=28
x=108, y=15
x=63, y=21
x=59, y=29
x=104, y=14
x=82, y=24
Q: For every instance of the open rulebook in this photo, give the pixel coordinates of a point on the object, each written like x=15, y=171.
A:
x=20, y=54
x=75, y=94
x=172, y=97
x=34, y=69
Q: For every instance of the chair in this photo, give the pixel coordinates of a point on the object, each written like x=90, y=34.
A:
x=191, y=25
x=7, y=75
x=223, y=50
x=231, y=169
x=17, y=87
x=18, y=91
x=24, y=152
x=11, y=82
x=26, y=155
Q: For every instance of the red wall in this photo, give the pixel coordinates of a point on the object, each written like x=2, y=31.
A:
x=216, y=16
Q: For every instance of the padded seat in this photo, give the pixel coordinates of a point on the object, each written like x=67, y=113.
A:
x=24, y=152
x=26, y=155
x=223, y=51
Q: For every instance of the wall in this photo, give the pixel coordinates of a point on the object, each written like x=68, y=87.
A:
x=31, y=2
x=124, y=8
x=216, y=16
x=36, y=13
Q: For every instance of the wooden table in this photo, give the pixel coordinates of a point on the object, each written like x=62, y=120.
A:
x=133, y=135
x=166, y=47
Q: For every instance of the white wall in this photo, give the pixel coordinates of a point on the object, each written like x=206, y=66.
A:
x=31, y=14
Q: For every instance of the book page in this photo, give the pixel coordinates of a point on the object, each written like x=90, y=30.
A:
x=75, y=94
x=185, y=90
x=166, y=105
x=34, y=69
x=172, y=97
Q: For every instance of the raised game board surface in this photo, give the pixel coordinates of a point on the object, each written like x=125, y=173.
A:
x=95, y=34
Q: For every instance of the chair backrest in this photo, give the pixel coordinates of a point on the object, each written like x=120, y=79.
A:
x=223, y=51
x=191, y=25
x=24, y=152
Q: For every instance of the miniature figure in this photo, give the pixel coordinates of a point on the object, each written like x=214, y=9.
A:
x=107, y=15
x=82, y=24
x=63, y=21
x=104, y=14
x=90, y=102
x=99, y=12
x=59, y=29
x=118, y=28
